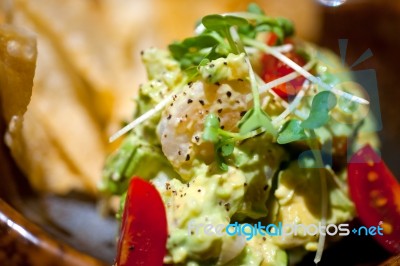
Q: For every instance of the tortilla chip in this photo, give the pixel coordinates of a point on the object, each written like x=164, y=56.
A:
x=85, y=79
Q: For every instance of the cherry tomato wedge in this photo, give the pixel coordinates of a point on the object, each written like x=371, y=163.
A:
x=144, y=226
x=274, y=68
x=271, y=39
x=376, y=194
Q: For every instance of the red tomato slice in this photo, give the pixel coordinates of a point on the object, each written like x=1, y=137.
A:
x=274, y=68
x=271, y=39
x=144, y=226
x=376, y=194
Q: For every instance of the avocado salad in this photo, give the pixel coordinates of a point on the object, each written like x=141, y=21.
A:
x=245, y=132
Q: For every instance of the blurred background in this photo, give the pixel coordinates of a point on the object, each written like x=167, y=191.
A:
x=86, y=74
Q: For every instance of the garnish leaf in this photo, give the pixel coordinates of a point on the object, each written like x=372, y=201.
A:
x=221, y=23
x=217, y=41
x=322, y=103
x=250, y=31
x=200, y=41
x=178, y=50
x=191, y=51
x=223, y=146
x=191, y=72
x=263, y=27
x=280, y=33
x=291, y=131
x=255, y=9
x=192, y=44
x=211, y=128
x=286, y=25
x=223, y=149
x=204, y=62
x=224, y=141
x=213, y=54
x=221, y=163
x=254, y=119
x=227, y=147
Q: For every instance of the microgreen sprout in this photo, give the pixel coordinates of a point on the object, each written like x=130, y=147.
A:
x=313, y=143
x=267, y=49
x=222, y=24
x=322, y=103
x=224, y=141
x=255, y=117
x=291, y=131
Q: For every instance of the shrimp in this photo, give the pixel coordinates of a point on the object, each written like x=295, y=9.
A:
x=182, y=122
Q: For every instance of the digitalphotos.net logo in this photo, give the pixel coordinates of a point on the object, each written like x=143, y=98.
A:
x=280, y=230
x=365, y=85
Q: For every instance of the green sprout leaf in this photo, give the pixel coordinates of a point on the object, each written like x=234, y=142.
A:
x=191, y=51
x=223, y=145
x=254, y=119
x=221, y=23
x=221, y=164
x=178, y=50
x=227, y=147
x=204, y=62
x=280, y=33
x=217, y=41
x=286, y=25
x=191, y=72
x=211, y=128
x=223, y=149
x=255, y=9
x=192, y=44
x=250, y=31
x=200, y=42
x=263, y=27
x=322, y=103
x=291, y=131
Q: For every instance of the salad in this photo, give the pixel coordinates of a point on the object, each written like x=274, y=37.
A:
x=245, y=138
